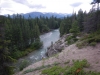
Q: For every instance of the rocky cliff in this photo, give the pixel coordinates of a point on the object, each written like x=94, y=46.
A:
x=57, y=46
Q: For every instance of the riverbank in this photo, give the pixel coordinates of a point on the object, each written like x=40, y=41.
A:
x=35, y=46
x=37, y=55
x=68, y=55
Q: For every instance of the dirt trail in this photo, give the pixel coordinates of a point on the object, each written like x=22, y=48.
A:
x=70, y=53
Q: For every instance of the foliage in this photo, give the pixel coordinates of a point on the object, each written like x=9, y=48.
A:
x=90, y=39
x=80, y=19
x=24, y=33
x=38, y=68
x=74, y=29
x=76, y=69
x=5, y=59
x=93, y=43
x=55, y=70
x=23, y=36
x=81, y=44
x=17, y=34
x=23, y=64
x=36, y=45
x=82, y=22
x=65, y=25
x=71, y=39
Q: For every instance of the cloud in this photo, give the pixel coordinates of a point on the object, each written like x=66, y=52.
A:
x=25, y=2
x=36, y=6
x=10, y=10
x=21, y=1
x=76, y=4
x=6, y=5
x=58, y=6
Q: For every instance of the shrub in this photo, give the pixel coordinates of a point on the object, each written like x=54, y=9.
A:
x=36, y=45
x=55, y=70
x=69, y=40
x=76, y=69
x=17, y=54
x=23, y=64
x=92, y=43
x=81, y=44
x=91, y=39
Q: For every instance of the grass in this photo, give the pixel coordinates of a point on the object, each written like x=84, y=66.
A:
x=55, y=70
x=92, y=43
x=90, y=39
x=38, y=68
x=75, y=69
x=81, y=44
x=57, y=55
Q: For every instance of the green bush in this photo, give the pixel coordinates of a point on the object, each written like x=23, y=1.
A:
x=78, y=65
x=76, y=69
x=81, y=44
x=55, y=70
x=71, y=39
x=90, y=39
x=92, y=43
x=17, y=54
x=36, y=45
x=23, y=64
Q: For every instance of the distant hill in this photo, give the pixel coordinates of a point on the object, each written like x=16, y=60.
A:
x=38, y=14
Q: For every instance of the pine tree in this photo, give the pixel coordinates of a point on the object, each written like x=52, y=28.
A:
x=5, y=59
x=62, y=30
x=36, y=32
x=80, y=19
x=75, y=28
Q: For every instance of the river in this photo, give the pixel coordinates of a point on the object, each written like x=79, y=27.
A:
x=37, y=55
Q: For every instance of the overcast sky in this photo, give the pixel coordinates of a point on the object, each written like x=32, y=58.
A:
x=58, y=6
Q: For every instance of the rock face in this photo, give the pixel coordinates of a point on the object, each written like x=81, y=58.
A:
x=57, y=46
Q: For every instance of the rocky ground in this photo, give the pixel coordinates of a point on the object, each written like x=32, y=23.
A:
x=57, y=46
x=64, y=53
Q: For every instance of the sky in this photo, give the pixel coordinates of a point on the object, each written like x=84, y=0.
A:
x=54, y=6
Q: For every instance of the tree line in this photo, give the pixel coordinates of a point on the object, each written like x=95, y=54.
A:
x=23, y=33
x=81, y=22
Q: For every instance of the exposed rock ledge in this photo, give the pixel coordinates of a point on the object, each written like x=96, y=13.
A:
x=57, y=46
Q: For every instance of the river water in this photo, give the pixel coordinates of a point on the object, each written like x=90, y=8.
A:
x=37, y=55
